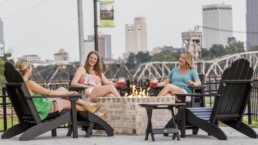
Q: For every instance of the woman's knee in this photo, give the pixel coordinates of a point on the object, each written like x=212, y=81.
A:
x=63, y=104
x=62, y=89
x=168, y=86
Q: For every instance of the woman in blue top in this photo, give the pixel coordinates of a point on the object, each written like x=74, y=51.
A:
x=179, y=79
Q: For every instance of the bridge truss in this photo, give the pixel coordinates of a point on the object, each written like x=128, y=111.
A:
x=212, y=67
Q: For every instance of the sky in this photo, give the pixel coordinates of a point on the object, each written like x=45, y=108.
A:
x=42, y=27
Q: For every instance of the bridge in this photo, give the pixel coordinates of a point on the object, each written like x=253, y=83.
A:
x=60, y=73
x=215, y=66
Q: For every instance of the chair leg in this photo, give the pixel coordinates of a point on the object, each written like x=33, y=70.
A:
x=195, y=131
x=89, y=130
x=13, y=131
x=243, y=128
x=206, y=126
x=70, y=130
x=53, y=132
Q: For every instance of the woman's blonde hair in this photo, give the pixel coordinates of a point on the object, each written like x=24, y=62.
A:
x=21, y=66
x=189, y=60
x=97, y=67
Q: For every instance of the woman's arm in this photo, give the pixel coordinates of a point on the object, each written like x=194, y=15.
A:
x=194, y=83
x=34, y=87
x=105, y=81
x=163, y=83
x=76, y=78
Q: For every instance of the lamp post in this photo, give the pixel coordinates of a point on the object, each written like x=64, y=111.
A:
x=80, y=28
x=95, y=24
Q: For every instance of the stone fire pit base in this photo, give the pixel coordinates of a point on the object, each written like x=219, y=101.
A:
x=127, y=117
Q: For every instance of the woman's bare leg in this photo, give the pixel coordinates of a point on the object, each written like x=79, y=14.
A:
x=110, y=95
x=102, y=91
x=63, y=104
x=170, y=89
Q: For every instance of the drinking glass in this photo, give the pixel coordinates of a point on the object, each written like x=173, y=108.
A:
x=121, y=81
x=154, y=82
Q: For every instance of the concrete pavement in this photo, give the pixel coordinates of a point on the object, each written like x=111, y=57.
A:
x=234, y=138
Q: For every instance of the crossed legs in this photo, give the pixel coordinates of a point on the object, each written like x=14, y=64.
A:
x=170, y=90
x=103, y=91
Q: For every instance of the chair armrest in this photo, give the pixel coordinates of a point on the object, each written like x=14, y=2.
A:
x=198, y=87
x=199, y=95
x=236, y=81
x=71, y=88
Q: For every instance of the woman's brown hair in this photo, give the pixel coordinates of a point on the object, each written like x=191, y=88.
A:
x=97, y=67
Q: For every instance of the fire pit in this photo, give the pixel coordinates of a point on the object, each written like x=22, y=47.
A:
x=127, y=117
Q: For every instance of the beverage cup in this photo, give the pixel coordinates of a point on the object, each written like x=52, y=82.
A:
x=154, y=82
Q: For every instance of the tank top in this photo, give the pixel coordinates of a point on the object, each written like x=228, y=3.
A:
x=43, y=106
x=90, y=80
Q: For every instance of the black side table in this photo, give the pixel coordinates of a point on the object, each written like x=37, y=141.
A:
x=171, y=130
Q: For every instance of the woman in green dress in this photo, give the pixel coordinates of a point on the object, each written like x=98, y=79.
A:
x=45, y=106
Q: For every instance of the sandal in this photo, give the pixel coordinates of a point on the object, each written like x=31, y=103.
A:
x=92, y=109
x=102, y=114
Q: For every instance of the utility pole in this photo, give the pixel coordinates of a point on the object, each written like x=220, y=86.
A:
x=96, y=25
x=81, y=35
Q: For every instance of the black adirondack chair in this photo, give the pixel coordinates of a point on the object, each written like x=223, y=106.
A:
x=29, y=122
x=229, y=106
x=94, y=122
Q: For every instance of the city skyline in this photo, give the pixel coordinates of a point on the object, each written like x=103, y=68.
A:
x=48, y=26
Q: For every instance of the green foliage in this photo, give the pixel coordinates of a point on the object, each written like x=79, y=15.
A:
x=2, y=62
x=234, y=46
x=135, y=60
x=218, y=50
x=254, y=48
x=166, y=55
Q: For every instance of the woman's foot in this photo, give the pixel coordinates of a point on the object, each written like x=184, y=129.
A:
x=177, y=100
x=91, y=108
x=102, y=114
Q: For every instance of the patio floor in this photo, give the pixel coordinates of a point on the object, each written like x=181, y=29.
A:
x=234, y=138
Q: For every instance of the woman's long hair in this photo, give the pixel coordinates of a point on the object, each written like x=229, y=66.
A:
x=97, y=67
x=189, y=60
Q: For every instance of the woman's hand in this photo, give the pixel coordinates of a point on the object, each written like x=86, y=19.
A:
x=73, y=92
x=190, y=83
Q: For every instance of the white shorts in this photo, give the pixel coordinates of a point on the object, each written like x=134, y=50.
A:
x=187, y=98
x=90, y=89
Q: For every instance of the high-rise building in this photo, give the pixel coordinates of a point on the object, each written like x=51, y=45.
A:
x=1, y=32
x=136, y=36
x=61, y=55
x=217, y=24
x=251, y=23
x=1, y=38
x=104, y=46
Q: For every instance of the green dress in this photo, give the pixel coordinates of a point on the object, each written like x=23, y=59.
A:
x=43, y=106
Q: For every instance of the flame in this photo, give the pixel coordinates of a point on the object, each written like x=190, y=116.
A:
x=138, y=94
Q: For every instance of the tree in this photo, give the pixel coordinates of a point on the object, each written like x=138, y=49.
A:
x=216, y=50
x=2, y=62
x=131, y=61
x=166, y=55
x=254, y=48
x=234, y=46
x=142, y=57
